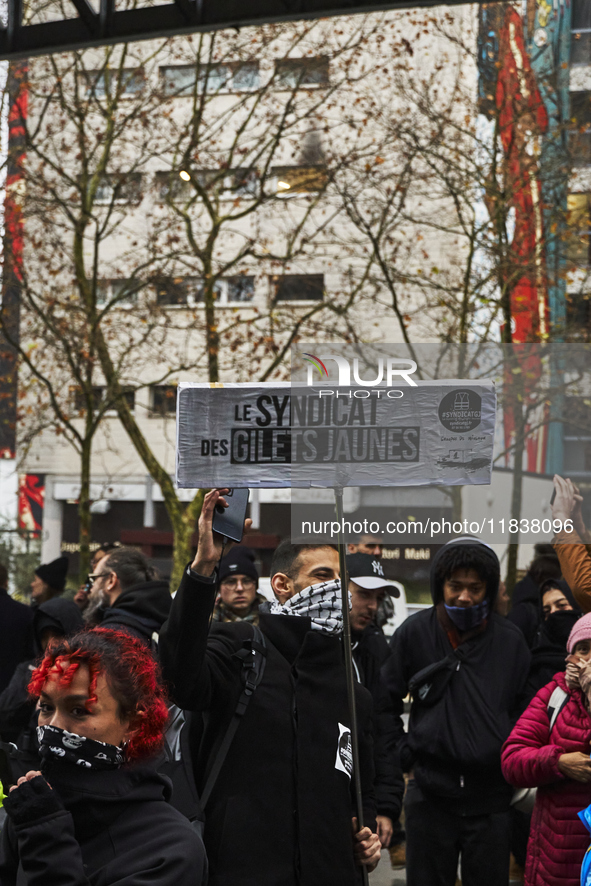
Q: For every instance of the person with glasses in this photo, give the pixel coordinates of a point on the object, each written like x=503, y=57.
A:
x=238, y=599
x=133, y=598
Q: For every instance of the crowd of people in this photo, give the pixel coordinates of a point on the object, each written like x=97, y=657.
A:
x=207, y=738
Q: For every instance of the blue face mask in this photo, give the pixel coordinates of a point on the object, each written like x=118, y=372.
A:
x=466, y=618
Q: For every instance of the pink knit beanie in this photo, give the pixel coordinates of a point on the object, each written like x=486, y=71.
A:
x=581, y=631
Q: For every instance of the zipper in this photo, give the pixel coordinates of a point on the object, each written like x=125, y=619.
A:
x=461, y=781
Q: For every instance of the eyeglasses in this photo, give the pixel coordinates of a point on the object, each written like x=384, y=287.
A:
x=232, y=583
x=92, y=577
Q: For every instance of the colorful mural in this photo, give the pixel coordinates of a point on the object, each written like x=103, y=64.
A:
x=31, y=501
x=523, y=53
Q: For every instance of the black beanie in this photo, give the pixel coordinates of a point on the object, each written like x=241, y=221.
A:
x=240, y=561
x=54, y=573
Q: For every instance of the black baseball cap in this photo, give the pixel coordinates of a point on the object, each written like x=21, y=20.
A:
x=367, y=572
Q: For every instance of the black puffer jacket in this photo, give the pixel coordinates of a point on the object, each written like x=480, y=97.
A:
x=370, y=652
x=140, y=610
x=116, y=829
x=280, y=812
x=454, y=745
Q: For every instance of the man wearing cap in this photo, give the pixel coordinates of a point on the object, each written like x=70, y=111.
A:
x=238, y=599
x=465, y=668
x=368, y=587
x=49, y=581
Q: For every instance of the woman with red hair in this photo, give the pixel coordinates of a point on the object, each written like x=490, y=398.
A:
x=97, y=813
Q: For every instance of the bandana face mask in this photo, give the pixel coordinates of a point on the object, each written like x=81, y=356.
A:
x=469, y=617
x=57, y=744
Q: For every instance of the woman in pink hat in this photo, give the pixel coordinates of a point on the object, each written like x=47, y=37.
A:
x=549, y=749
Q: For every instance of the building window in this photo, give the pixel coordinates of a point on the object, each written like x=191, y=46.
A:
x=580, y=136
x=170, y=186
x=298, y=287
x=236, y=290
x=581, y=33
x=163, y=400
x=578, y=316
x=117, y=293
x=229, y=77
x=99, y=84
x=299, y=179
x=120, y=187
x=300, y=73
x=98, y=396
x=178, y=290
x=227, y=184
x=578, y=246
x=188, y=291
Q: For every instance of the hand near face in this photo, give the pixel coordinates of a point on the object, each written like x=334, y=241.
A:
x=30, y=799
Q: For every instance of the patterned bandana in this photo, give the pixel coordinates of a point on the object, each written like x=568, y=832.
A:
x=57, y=744
x=321, y=603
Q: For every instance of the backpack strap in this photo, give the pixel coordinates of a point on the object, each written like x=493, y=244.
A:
x=556, y=702
x=253, y=656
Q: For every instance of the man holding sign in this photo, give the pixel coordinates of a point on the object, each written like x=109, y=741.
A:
x=280, y=812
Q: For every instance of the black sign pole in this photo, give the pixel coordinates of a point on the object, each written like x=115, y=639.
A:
x=348, y=655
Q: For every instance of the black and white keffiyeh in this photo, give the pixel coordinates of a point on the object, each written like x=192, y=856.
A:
x=321, y=603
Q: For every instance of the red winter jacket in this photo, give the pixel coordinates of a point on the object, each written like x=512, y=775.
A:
x=558, y=838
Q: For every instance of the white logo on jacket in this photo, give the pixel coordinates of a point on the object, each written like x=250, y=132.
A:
x=344, y=760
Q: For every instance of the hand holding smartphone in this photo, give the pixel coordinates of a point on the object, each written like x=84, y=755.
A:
x=230, y=521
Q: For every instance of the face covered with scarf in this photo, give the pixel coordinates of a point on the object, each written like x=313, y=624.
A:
x=464, y=598
x=311, y=590
x=80, y=726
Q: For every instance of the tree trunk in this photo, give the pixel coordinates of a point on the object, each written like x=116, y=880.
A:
x=84, y=514
x=184, y=527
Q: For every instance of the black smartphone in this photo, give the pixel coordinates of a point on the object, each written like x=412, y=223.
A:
x=230, y=521
x=553, y=496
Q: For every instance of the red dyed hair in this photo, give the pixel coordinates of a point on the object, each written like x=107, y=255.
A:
x=132, y=674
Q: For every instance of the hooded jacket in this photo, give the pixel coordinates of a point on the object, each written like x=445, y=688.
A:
x=16, y=705
x=453, y=745
x=139, y=610
x=558, y=838
x=16, y=636
x=116, y=829
x=280, y=812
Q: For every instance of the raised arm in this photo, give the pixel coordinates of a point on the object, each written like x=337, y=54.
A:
x=572, y=547
x=192, y=665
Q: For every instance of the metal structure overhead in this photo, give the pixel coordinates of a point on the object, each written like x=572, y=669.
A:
x=105, y=23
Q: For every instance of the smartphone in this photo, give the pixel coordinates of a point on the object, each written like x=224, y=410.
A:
x=230, y=521
x=553, y=496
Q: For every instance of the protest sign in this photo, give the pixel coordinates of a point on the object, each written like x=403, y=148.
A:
x=281, y=435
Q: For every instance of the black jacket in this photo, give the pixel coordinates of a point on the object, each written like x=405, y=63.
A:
x=16, y=706
x=280, y=813
x=139, y=610
x=525, y=610
x=16, y=636
x=370, y=652
x=454, y=745
x=116, y=830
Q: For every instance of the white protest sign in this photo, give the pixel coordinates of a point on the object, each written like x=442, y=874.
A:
x=280, y=435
